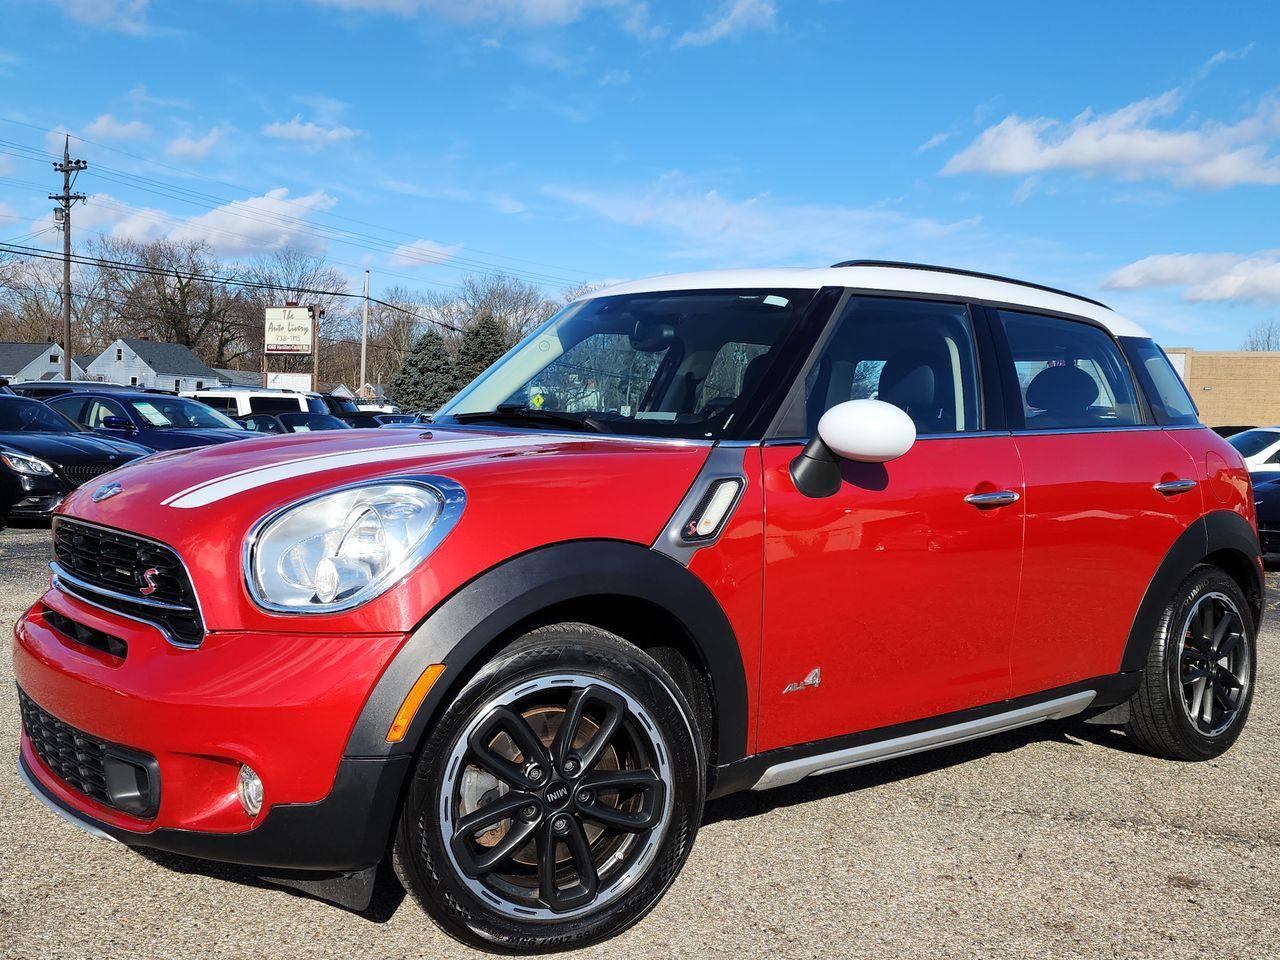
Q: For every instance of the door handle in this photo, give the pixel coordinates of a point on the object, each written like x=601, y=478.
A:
x=1172, y=487
x=997, y=498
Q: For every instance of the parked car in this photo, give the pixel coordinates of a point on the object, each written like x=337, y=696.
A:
x=394, y=419
x=156, y=421
x=44, y=456
x=291, y=422
x=45, y=389
x=1266, y=498
x=345, y=409
x=1259, y=447
x=241, y=401
x=694, y=535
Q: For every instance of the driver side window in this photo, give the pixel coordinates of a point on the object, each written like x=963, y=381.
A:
x=98, y=410
x=918, y=355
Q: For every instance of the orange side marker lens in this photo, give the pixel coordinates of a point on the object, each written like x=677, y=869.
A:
x=404, y=716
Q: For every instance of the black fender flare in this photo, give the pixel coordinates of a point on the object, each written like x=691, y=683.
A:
x=461, y=632
x=1221, y=530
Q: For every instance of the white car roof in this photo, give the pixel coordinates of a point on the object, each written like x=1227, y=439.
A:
x=891, y=279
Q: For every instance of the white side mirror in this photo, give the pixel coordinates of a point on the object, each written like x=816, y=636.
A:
x=869, y=431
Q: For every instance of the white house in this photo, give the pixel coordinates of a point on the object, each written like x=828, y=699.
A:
x=149, y=363
x=34, y=361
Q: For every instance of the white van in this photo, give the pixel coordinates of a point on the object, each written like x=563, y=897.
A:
x=242, y=401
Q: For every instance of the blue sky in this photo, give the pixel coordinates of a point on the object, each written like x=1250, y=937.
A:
x=1129, y=151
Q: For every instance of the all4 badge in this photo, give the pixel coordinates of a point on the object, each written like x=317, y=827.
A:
x=812, y=680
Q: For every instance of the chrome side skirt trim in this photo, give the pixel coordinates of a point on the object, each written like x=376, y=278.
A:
x=792, y=771
x=64, y=814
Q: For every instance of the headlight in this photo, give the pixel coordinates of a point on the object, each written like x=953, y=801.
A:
x=32, y=466
x=341, y=549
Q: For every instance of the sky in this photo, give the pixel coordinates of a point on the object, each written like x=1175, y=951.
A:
x=1125, y=151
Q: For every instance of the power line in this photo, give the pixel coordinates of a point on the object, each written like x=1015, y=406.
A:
x=212, y=201
x=83, y=260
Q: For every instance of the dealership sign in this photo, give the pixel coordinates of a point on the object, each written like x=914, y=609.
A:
x=289, y=330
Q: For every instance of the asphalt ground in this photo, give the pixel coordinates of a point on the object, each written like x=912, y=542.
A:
x=1054, y=841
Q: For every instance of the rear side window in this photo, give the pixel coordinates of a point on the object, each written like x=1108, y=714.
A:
x=1071, y=375
x=918, y=355
x=71, y=407
x=282, y=404
x=1167, y=394
x=225, y=405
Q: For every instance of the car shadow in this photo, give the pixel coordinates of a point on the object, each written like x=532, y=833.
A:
x=387, y=891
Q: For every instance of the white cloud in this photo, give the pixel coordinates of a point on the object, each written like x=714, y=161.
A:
x=140, y=96
x=615, y=78
x=1140, y=141
x=634, y=16
x=935, y=141
x=123, y=16
x=709, y=226
x=188, y=147
x=424, y=252
x=1237, y=277
x=735, y=18
x=268, y=222
x=107, y=127
x=250, y=226
x=310, y=133
x=1025, y=189
x=8, y=215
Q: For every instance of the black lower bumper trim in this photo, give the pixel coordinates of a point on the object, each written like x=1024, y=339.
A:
x=347, y=831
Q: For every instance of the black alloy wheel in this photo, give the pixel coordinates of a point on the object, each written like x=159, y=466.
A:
x=558, y=797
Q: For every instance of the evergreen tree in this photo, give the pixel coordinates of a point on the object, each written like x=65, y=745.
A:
x=428, y=377
x=482, y=343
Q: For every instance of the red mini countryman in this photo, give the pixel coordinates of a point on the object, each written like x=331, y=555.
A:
x=694, y=535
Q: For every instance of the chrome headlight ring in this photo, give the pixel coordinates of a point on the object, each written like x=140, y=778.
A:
x=340, y=549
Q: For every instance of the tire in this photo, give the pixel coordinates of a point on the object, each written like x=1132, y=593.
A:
x=1192, y=704
x=623, y=794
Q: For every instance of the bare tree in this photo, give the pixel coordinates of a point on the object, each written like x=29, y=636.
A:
x=1264, y=335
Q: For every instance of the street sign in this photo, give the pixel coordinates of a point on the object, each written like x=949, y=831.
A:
x=289, y=330
x=300, y=382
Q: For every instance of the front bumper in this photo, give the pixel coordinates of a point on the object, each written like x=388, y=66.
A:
x=35, y=497
x=283, y=704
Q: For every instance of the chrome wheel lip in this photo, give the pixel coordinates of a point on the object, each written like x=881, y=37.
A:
x=1241, y=658
x=652, y=842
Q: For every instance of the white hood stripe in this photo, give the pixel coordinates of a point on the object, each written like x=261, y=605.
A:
x=220, y=488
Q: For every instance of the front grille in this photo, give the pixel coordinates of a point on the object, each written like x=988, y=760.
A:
x=78, y=473
x=123, y=566
x=119, y=777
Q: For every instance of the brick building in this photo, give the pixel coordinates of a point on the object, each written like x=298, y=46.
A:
x=1239, y=388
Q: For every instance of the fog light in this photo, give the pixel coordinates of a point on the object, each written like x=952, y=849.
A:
x=249, y=787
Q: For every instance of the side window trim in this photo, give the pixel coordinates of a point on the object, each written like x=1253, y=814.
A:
x=1013, y=390
x=991, y=390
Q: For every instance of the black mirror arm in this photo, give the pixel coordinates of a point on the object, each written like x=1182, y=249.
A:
x=816, y=470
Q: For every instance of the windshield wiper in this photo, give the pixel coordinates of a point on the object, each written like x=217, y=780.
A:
x=519, y=412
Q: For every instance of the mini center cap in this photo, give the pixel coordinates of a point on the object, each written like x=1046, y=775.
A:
x=557, y=794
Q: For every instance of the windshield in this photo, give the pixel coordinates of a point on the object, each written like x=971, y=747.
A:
x=674, y=364
x=31, y=416
x=1253, y=442
x=162, y=413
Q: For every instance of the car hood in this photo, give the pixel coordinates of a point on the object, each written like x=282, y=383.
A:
x=72, y=447
x=173, y=437
x=524, y=489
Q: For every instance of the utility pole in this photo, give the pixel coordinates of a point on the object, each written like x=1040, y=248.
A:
x=364, y=337
x=69, y=169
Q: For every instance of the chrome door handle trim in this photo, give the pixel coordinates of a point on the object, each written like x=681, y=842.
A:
x=998, y=498
x=1172, y=487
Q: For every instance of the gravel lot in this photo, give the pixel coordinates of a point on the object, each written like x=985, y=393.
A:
x=1050, y=842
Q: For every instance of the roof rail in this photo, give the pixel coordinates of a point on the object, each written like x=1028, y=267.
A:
x=903, y=265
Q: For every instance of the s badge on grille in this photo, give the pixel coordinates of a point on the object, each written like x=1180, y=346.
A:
x=106, y=491
x=148, y=579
